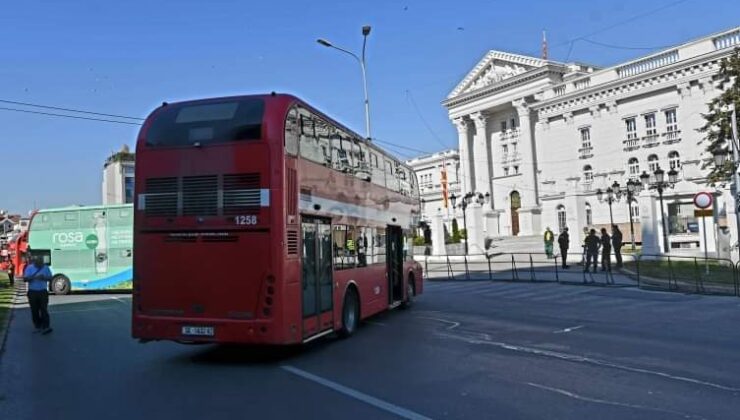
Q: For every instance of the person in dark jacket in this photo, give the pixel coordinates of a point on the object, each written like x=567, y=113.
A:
x=11, y=273
x=592, y=249
x=606, y=251
x=617, y=243
x=564, y=243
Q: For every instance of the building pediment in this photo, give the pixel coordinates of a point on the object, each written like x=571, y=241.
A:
x=495, y=67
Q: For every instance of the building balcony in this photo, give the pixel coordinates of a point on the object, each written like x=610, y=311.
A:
x=651, y=140
x=631, y=144
x=585, y=152
x=509, y=135
x=670, y=137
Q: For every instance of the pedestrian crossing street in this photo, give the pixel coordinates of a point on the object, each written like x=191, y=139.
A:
x=572, y=295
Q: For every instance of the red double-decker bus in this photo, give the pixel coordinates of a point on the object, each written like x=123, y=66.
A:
x=261, y=220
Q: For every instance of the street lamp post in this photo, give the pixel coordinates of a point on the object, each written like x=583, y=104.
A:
x=361, y=60
x=660, y=185
x=613, y=194
x=467, y=199
x=632, y=188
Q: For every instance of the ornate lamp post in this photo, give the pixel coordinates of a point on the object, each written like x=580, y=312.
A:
x=467, y=199
x=661, y=184
x=613, y=194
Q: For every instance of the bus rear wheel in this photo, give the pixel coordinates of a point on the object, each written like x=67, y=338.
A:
x=350, y=314
x=60, y=285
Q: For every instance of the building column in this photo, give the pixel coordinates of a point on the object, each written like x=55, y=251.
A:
x=438, y=234
x=480, y=154
x=530, y=212
x=466, y=167
x=475, y=234
x=649, y=223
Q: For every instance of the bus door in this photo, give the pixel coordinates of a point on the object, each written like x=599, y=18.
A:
x=394, y=261
x=317, y=278
x=99, y=242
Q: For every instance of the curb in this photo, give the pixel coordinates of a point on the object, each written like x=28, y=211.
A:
x=6, y=328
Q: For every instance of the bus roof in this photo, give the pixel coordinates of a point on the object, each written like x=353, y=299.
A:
x=288, y=100
x=80, y=207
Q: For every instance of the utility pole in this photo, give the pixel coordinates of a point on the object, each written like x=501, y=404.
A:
x=735, y=176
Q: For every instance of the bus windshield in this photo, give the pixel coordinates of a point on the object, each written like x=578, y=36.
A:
x=207, y=123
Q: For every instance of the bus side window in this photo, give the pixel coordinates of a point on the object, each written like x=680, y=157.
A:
x=309, y=144
x=291, y=133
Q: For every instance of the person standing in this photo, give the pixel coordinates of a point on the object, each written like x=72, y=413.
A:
x=606, y=251
x=11, y=273
x=549, y=240
x=38, y=275
x=617, y=243
x=592, y=249
x=564, y=243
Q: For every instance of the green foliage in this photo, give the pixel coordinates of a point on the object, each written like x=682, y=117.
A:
x=418, y=241
x=717, y=129
x=456, y=237
x=463, y=234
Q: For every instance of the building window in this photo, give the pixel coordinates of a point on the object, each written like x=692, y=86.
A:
x=634, y=166
x=586, y=138
x=674, y=160
x=503, y=126
x=516, y=169
x=650, y=129
x=504, y=152
x=513, y=123
x=561, y=218
x=589, y=215
x=129, y=189
x=631, y=126
x=506, y=171
x=635, y=208
x=588, y=174
x=653, y=163
x=671, y=123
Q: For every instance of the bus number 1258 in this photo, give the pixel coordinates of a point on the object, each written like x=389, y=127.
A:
x=245, y=220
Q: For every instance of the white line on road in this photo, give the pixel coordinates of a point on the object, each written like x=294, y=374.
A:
x=452, y=326
x=380, y=324
x=117, y=299
x=375, y=402
x=583, y=359
x=608, y=402
x=569, y=329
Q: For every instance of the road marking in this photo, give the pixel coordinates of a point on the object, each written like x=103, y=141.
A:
x=608, y=402
x=587, y=360
x=375, y=402
x=569, y=329
x=117, y=299
x=451, y=327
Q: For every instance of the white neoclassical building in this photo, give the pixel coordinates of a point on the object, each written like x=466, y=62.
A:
x=543, y=137
x=429, y=172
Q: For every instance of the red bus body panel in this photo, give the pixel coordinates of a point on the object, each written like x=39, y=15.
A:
x=211, y=271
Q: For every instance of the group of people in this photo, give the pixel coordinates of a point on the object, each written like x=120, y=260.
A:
x=592, y=244
x=37, y=275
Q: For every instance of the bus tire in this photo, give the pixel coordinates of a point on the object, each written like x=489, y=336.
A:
x=350, y=313
x=61, y=285
x=410, y=293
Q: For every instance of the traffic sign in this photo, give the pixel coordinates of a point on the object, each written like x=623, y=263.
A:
x=703, y=200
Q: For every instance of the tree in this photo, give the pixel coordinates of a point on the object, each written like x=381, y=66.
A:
x=717, y=129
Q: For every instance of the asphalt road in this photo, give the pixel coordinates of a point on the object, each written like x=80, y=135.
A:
x=474, y=350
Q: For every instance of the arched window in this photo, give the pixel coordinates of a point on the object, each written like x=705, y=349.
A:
x=634, y=167
x=588, y=174
x=589, y=215
x=561, y=218
x=653, y=163
x=674, y=160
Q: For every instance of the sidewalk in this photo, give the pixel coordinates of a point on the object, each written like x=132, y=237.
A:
x=9, y=297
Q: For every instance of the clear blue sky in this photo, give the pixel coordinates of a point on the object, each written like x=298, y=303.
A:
x=127, y=57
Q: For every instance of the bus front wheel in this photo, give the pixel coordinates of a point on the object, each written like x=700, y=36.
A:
x=350, y=313
x=60, y=285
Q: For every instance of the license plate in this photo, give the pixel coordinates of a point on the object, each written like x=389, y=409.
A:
x=199, y=331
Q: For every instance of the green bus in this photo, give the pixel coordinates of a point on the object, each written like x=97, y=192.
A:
x=86, y=247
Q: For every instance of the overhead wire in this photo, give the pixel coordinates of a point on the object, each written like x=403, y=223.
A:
x=67, y=116
x=79, y=111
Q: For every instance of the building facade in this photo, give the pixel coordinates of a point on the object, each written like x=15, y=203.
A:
x=429, y=170
x=118, y=178
x=543, y=137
